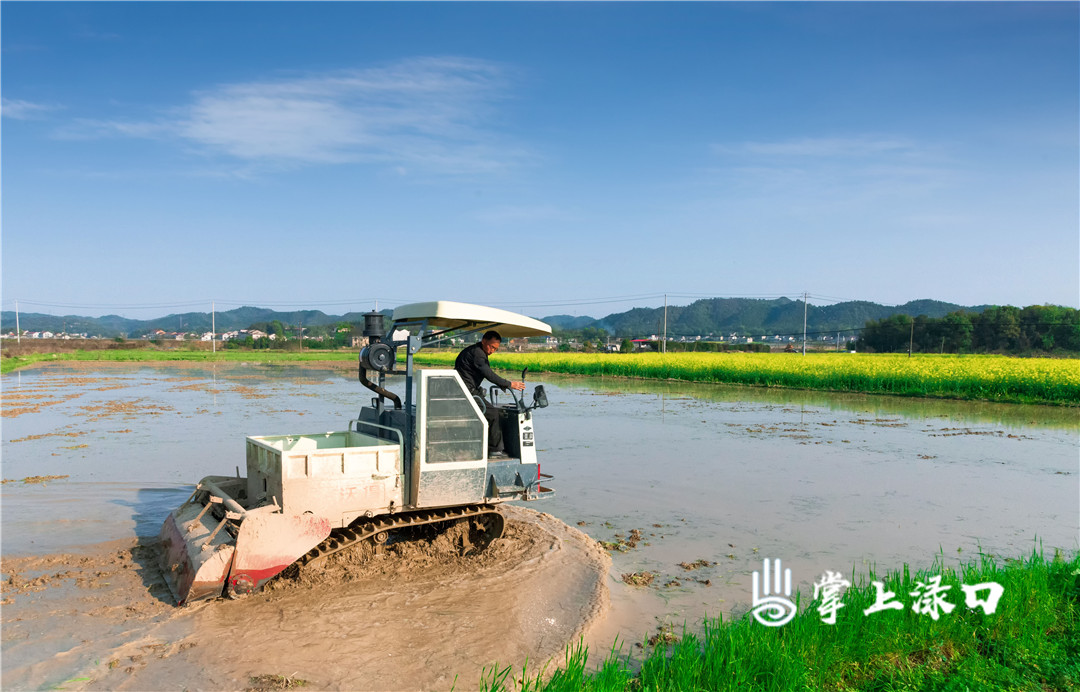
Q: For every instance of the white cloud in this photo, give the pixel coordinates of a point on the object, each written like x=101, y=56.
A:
x=267, y=126
x=824, y=147
x=84, y=128
x=430, y=114
x=830, y=172
x=24, y=110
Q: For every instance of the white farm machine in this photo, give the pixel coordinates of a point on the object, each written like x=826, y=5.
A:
x=398, y=465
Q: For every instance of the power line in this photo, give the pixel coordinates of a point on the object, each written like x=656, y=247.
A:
x=732, y=295
x=99, y=306
x=308, y=303
x=582, y=301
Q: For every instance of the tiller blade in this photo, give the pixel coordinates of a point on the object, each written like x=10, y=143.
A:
x=212, y=546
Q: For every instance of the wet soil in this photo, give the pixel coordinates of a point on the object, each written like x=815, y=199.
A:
x=417, y=616
x=692, y=485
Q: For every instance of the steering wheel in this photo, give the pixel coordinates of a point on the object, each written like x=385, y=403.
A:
x=481, y=403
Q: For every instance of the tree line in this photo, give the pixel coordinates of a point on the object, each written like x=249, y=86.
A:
x=997, y=329
x=287, y=337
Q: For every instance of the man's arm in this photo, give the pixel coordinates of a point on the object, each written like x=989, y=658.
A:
x=482, y=364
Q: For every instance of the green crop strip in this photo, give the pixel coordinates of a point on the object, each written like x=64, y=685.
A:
x=992, y=378
x=1054, y=381
x=8, y=364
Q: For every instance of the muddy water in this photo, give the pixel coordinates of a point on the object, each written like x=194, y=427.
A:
x=706, y=474
x=732, y=475
x=417, y=616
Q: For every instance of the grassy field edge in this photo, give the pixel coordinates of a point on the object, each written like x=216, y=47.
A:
x=1002, y=379
x=9, y=364
x=999, y=379
x=1031, y=642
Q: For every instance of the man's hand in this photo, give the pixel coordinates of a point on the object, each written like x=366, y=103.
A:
x=520, y=386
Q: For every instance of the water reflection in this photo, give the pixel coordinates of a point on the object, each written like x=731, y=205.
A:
x=720, y=473
x=1009, y=415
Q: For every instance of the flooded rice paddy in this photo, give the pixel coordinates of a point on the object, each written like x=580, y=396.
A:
x=692, y=484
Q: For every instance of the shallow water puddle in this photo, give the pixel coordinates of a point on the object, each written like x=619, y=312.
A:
x=733, y=475
x=712, y=478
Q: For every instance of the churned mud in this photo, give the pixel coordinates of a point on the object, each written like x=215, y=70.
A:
x=686, y=489
x=416, y=616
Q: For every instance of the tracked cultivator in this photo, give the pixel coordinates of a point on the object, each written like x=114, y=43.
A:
x=422, y=463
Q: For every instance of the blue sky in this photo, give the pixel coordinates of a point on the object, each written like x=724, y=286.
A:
x=544, y=157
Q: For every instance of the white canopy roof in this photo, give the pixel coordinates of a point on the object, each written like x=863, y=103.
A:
x=445, y=314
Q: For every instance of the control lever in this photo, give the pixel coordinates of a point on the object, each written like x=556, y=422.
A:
x=520, y=399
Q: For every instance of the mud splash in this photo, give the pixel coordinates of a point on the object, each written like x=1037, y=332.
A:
x=418, y=616
x=665, y=475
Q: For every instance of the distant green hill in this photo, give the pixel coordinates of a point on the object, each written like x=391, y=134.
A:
x=197, y=322
x=753, y=316
x=569, y=321
x=746, y=316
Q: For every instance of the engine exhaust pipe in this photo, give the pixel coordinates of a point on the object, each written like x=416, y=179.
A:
x=381, y=391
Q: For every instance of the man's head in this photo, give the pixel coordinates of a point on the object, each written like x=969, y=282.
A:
x=491, y=342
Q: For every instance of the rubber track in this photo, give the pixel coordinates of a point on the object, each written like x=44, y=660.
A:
x=341, y=539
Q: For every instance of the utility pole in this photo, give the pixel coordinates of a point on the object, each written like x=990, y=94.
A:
x=838, y=341
x=804, y=323
x=664, y=347
x=911, y=339
x=213, y=328
x=18, y=332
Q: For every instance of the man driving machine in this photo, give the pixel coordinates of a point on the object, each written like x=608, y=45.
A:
x=473, y=366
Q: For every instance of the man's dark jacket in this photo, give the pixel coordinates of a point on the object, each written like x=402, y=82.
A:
x=472, y=364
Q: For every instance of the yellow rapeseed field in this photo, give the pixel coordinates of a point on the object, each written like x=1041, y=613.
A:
x=987, y=377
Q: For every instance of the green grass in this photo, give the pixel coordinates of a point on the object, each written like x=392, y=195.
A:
x=1032, y=642
x=157, y=356
x=990, y=378
x=979, y=377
